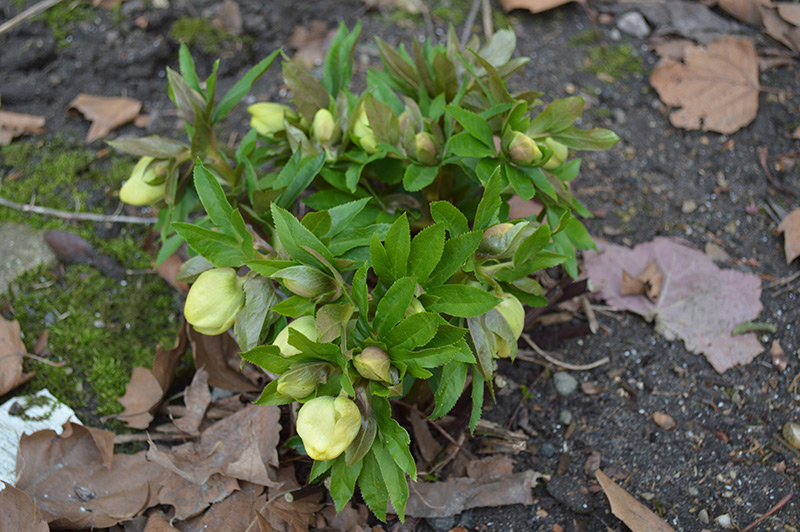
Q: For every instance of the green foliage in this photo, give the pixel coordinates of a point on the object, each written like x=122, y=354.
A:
x=616, y=60
x=201, y=34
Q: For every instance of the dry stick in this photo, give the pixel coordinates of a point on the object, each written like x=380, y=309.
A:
x=437, y=427
x=488, y=30
x=28, y=13
x=45, y=361
x=774, y=509
x=590, y=315
x=557, y=362
x=88, y=216
x=128, y=438
x=473, y=12
x=784, y=281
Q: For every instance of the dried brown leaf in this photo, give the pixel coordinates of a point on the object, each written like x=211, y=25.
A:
x=311, y=43
x=534, y=6
x=75, y=482
x=142, y=395
x=671, y=49
x=745, y=10
x=240, y=446
x=70, y=247
x=779, y=29
x=428, y=446
x=237, y=512
x=490, y=468
x=106, y=114
x=11, y=352
x=778, y=356
x=631, y=286
x=190, y=499
x=630, y=511
x=16, y=124
x=229, y=17
x=157, y=522
x=219, y=355
x=349, y=518
x=790, y=227
x=197, y=399
x=699, y=303
x=296, y=515
x=18, y=512
x=715, y=87
x=444, y=499
x=168, y=270
x=788, y=12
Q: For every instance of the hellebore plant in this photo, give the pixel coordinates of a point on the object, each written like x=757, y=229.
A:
x=405, y=272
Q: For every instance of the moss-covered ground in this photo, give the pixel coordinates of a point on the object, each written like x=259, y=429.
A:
x=100, y=327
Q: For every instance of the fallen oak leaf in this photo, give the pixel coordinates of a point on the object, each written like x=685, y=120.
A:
x=12, y=350
x=630, y=511
x=699, y=302
x=105, y=113
x=197, y=399
x=790, y=227
x=18, y=512
x=190, y=499
x=716, y=87
x=17, y=124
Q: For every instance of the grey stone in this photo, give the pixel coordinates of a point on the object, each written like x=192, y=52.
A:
x=565, y=417
x=547, y=450
x=441, y=524
x=634, y=24
x=565, y=383
x=22, y=249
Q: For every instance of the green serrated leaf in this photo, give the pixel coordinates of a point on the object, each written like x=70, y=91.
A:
x=520, y=181
x=343, y=481
x=393, y=305
x=295, y=238
x=398, y=239
x=414, y=331
x=426, y=250
x=557, y=116
x=294, y=307
x=242, y=87
x=417, y=177
x=465, y=145
x=456, y=252
x=453, y=219
x=394, y=478
x=590, y=140
x=489, y=206
x=221, y=249
x=213, y=199
x=478, y=385
x=476, y=125
x=268, y=357
x=449, y=386
x=373, y=487
x=462, y=300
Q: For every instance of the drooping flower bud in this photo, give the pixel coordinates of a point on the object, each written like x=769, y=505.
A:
x=363, y=134
x=302, y=379
x=214, y=300
x=560, y=153
x=522, y=149
x=137, y=190
x=323, y=127
x=426, y=149
x=506, y=321
x=328, y=426
x=373, y=363
x=268, y=117
x=307, y=281
x=496, y=239
x=305, y=325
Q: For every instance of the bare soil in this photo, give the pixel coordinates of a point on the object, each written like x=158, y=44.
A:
x=723, y=456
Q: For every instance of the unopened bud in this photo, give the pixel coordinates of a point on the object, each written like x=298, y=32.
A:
x=494, y=241
x=415, y=307
x=511, y=310
x=302, y=380
x=560, y=153
x=323, y=127
x=305, y=325
x=309, y=282
x=373, y=363
x=363, y=133
x=522, y=149
x=214, y=300
x=426, y=149
x=138, y=189
x=268, y=117
x=328, y=426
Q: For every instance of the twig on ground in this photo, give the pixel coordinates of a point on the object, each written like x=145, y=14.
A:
x=772, y=510
x=435, y=425
x=488, y=29
x=86, y=216
x=542, y=353
x=473, y=12
x=590, y=315
x=762, y=158
x=45, y=361
x=129, y=438
x=784, y=281
x=31, y=12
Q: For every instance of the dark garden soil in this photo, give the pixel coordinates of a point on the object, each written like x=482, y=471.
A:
x=723, y=456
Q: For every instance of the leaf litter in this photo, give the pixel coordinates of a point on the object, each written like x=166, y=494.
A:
x=105, y=113
x=12, y=350
x=18, y=124
x=790, y=227
x=630, y=511
x=698, y=303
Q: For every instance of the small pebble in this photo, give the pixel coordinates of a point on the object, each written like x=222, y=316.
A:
x=664, y=421
x=723, y=520
x=702, y=516
x=634, y=24
x=688, y=206
x=565, y=417
x=691, y=490
x=791, y=431
x=565, y=383
x=547, y=450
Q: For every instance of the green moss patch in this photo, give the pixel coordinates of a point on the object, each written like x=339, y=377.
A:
x=618, y=61
x=201, y=34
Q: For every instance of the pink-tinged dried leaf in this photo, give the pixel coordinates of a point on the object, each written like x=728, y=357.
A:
x=19, y=513
x=716, y=88
x=11, y=352
x=444, y=499
x=168, y=270
x=534, y=6
x=240, y=446
x=745, y=10
x=779, y=29
x=190, y=499
x=790, y=227
x=630, y=511
x=16, y=124
x=219, y=355
x=142, y=396
x=75, y=482
x=699, y=302
x=237, y=512
x=106, y=114
x=197, y=399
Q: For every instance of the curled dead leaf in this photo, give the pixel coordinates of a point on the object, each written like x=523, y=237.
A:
x=11, y=352
x=106, y=114
x=197, y=399
x=18, y=512
x=16, y=124
x=630, y=511
x=790, y=227
x=716, y=87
